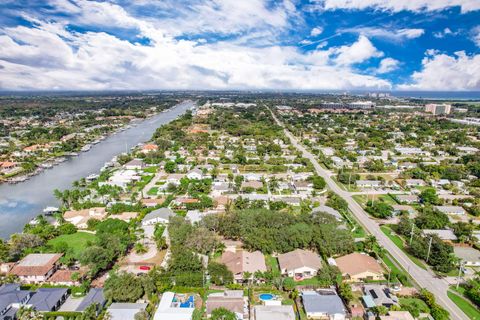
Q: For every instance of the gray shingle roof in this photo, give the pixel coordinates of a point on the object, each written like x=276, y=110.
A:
x=45, y=299
x=10, y=293
x=95, y=295
x=163, y=213
x=323, y=301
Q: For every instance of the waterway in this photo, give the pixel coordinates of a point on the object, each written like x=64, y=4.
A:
x=21, y=202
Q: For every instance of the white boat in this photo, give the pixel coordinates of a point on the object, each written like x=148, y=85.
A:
x=91, y=177
x=50, y=210
x=85, y=148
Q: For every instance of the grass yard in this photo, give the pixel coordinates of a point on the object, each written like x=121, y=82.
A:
x=272, y=264
x=153, y=191
x=464, y=305
x=399, y=243
x=389, y=262
x=77, y=241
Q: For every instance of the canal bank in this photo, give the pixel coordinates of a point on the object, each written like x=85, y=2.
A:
x=21, y=202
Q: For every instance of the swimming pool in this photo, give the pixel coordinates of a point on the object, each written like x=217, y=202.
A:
x=266, y=296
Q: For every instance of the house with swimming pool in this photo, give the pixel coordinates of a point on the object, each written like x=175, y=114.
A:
x=175, y=307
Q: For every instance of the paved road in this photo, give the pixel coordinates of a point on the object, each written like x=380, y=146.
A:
x=424, y=278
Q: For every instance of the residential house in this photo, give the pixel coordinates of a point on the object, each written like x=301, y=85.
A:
x=368, y=183
x=48, y=299
x=274, y=312
x=232, y=300
x=407, y=198
x=445, y=234
x=411, y=183
x=399, y=208
x=328, y=210
x=12, y=298
x=323, y=304
x=63, y=277
x=125, y=311
x=242, y=261
x=469, y=256
x=147, y=148
x=195, y=174
x=94, y=297
x=121, y=178
x=454, y=210
x=302, y=186
x=253, y=184
x=125, y=216
x=152, y=202
x=135, y=164
x=299, y=264
x=397, y=315
x=172, y=307
x=174, y=178
x=357, y=267
x=79, y=218
x=378, y=295
x=36, y=267
x=161, y=215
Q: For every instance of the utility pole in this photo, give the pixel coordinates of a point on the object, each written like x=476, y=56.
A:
x=429, y=248
x=459, y=273
x=411, y=234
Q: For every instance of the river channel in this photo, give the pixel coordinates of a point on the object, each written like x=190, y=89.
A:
x=21, y=202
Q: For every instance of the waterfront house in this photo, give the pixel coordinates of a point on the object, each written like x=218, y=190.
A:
x=299, y=264
x=79, y=218
x=135, y=164
x=36, y=267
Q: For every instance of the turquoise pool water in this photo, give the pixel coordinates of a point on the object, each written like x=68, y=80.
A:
x=266, y=296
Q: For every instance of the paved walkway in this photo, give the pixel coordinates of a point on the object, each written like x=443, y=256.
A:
x=425, y=279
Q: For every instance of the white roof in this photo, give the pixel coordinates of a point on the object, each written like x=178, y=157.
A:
x=125, y=311
x=166, y=311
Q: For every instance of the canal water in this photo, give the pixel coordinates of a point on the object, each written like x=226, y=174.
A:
x=21, y=202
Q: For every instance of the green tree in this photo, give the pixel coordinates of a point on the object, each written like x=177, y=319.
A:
x=219, y=273
x=123, y=287
x=223, y=314
x=429, y=196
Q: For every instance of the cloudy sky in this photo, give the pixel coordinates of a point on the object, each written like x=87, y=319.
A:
x=240, y=44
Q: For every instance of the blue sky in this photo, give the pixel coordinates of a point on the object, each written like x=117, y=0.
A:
x=232, y=44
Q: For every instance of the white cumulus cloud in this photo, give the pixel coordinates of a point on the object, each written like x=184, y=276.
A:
x=388, y=65
x=444, y=72
x=316, y=31
x=360, y=51
x=400, y=5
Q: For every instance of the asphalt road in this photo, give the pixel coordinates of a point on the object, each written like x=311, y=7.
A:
x=424, y=278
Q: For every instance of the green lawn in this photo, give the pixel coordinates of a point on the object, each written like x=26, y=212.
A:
x=399, y=243
x=466, y=307
x=394, y=269
x=272, y=264
x=77, y=241
x=153, y=191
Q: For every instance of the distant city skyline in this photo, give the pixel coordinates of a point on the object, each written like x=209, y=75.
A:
x=240, y=45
